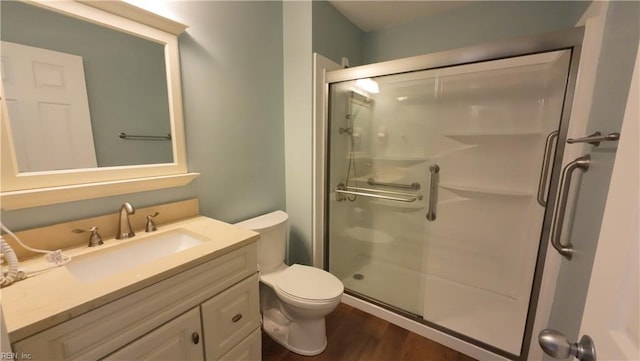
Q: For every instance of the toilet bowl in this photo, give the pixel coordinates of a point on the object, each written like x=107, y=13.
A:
x=294, y=300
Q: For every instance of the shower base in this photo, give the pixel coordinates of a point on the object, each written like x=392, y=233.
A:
x=482, y=315
x=387, y=283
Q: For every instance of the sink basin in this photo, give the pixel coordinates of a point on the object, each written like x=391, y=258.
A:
x=102, y=263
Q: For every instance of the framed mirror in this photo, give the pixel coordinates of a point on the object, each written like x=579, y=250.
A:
x=91, y=102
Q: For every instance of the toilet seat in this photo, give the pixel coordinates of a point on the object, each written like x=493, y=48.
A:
x=308, y=284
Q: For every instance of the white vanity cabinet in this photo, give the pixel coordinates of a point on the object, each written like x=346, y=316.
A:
x=206, y=312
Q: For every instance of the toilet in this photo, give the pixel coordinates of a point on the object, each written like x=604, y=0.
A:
x=293, y=299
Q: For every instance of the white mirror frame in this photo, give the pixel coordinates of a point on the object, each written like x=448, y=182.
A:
x=23, y=190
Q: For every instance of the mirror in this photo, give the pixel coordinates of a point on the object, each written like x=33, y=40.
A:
x=90, y=94
x=73, y=87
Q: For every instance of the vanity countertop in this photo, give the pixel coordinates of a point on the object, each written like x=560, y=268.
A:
x=52, y=297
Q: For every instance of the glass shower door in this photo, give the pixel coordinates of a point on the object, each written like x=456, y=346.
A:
x=437, y=190
x=377, y=242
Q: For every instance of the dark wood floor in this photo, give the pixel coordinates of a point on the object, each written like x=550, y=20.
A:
x=353, y=335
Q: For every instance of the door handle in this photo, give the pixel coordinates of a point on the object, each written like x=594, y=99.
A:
x=581, y=163
x=595, y=138
x=556, y=345
x=544, y=172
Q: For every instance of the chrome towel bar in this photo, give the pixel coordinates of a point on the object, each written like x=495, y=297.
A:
x=124, y=135
x=375, y=193
x=414, y=185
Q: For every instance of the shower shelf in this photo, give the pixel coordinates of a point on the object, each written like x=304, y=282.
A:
x=407, y=161
x=471, y=137
x=482, y=190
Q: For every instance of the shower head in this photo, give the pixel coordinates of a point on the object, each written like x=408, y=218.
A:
x=360, y=99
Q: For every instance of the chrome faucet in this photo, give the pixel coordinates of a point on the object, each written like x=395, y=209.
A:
x=124, y=226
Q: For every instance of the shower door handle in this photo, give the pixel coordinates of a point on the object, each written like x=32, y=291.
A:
x=433, y=192
x=544, y=172
x=581, y=163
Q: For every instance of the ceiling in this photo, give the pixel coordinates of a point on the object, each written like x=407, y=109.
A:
x=375, y=15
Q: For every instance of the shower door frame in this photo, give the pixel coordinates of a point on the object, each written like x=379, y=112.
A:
x=571, y=39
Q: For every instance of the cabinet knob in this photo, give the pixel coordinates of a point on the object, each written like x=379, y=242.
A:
x=236, y=318
x=195, y=337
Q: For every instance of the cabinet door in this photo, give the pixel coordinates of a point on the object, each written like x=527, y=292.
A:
x=230, y=317
x=178, y=339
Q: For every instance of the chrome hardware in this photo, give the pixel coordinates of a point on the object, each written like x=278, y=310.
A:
x=195, y=337
x=377, y=193
x=348, y=131
x=414, y=185
x=236, y=318
x=94, y=238
x=581, y=163
x=123, y=135
x=124, y=226
x=544, y=172
x=433, y=192
x=151, y=226
x=595, y=138
x=556, y=345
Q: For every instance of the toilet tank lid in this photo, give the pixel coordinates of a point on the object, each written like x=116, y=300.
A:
x=264, y=222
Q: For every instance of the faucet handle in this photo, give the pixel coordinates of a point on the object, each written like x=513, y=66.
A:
x=151, y=226
x=94, y=238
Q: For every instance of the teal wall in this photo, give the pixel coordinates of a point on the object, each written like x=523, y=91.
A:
x=335, y=36
x=482, y=22
x=298, y=128
x=232, y=78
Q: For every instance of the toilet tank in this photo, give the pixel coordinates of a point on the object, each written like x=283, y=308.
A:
x=273, y=238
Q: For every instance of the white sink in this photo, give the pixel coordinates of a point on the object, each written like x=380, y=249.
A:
x=102, y=263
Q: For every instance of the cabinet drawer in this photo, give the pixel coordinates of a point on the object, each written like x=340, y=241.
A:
x=249, y=349
x=230, y=316
x=174, y=340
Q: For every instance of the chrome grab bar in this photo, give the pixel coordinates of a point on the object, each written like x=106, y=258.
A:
x=581, y=163
x=595, y=138
x=433, y=192
x=123, y=135
x=544, y=173
x=414, y=185
x=380, y=194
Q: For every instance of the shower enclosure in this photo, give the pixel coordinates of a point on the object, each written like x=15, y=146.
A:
x=437, y=188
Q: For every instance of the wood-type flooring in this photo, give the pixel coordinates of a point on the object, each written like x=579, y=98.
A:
x=354, y=335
